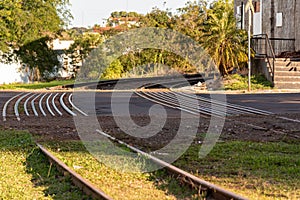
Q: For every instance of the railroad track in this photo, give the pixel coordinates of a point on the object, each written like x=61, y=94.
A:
x=211, y=191
x=199, y=105
x=149, y=83
x=46, y=104
x=205, y=107
x=54, y=104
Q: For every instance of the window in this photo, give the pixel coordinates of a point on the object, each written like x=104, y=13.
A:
x=278, y=19
x=257, y=6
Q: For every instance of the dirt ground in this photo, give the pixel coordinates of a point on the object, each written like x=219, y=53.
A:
x=276, y=127
x=244, y=128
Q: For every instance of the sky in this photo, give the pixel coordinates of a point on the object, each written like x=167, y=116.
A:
x=90, y=12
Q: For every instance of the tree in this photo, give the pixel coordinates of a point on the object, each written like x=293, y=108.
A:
x=38, y=58
x=191, y=19
x=27, y=28
x=157, y=18
x=81, y=48
x=225, y=43
x=22, y=22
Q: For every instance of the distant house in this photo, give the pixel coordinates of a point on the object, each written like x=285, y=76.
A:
x=11, y=73
x=118, y=24
x=278, y=19
x=127, y=21
x=65, y=61
x=15, y=73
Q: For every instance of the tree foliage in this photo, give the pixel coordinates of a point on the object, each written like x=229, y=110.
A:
x=225, y=43
x=157, y=18
x=191, y=19
x=212, y=26
x=38, y=58
x=24, y=21
x=27, y=29
x=81, y=48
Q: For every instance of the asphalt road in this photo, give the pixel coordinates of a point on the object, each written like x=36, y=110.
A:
x=273, y=102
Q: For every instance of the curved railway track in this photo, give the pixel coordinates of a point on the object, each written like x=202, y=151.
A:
x=212, y=191
x=208, y=107
x=53, y=104
x=202, y=105
x=41, y=104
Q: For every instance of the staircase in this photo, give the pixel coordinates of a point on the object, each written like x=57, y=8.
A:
x=287, y=73
x=283, y=72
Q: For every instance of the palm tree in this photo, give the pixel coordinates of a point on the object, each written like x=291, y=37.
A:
x=226, y=44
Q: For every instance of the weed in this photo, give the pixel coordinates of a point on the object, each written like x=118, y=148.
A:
x=238, y=82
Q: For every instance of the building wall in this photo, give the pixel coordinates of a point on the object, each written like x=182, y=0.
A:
x=288, y=29
x=10, y=73
x=297, y=25
x=272, y=9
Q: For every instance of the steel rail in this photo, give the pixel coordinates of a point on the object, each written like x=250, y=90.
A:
x=214, y=190
x=61, y=99
x=178, y=106
x=288, y=119
x=48, y=106
x=54, y=106
x=171, y=100
x=199, y=110
x=6, y=104
x=240, y=107
x=211, y=102
x=40, y=105
x=75, y=107
x=165, y=104
x=206, y=106
x=16, y=107
x=78, y=180
x=223, y=117
x=233, y=106
x=25, y=104
x=32, y=104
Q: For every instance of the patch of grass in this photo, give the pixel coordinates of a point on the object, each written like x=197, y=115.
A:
x=238, y=82
x=117, y=184
x=33, y=86
x=255, y=170
x=25, y=172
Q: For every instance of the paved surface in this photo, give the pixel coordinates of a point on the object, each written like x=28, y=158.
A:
x=274, y=102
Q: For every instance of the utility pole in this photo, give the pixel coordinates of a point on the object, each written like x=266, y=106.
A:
x=250, y=10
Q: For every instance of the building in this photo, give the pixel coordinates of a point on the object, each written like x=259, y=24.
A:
x=16, y=72
x=275, y=39
x=12, y=73
x=118, y=24
x=278, y=19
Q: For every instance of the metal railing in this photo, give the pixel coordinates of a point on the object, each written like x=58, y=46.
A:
x=262, y=46
x=282, y=45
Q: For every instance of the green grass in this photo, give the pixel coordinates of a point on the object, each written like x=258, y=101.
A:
x=33, y=86
x=25, y=172
x=119, y=185
x=237, y=82
x=264, y=171
x=255, y=170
